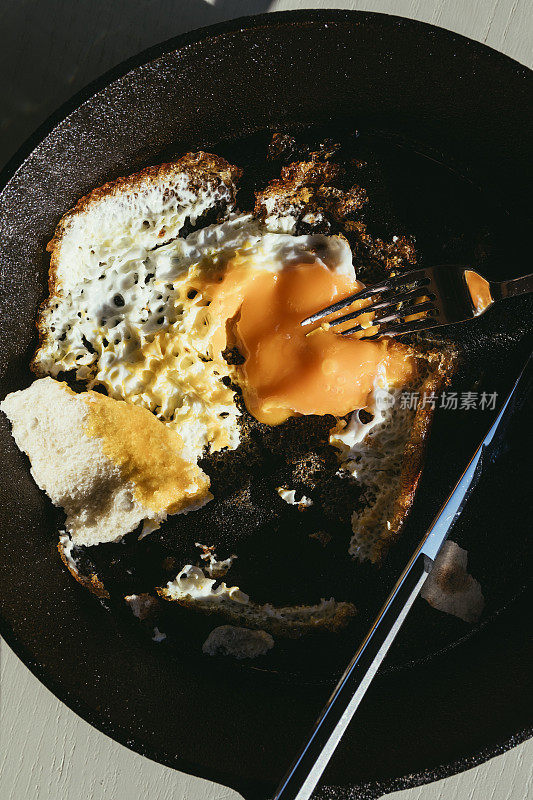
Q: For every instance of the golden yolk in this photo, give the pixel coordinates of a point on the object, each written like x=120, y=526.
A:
x=227, y=292
x=289, y=369
x=479, y=290
x=147, y=453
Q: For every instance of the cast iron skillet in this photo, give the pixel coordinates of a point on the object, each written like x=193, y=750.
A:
x=452, y=122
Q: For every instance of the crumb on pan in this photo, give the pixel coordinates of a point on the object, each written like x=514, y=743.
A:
x=230, y=640
x=142, y=605
x=91, y=582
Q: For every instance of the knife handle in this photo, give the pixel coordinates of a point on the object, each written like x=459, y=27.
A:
x=307, y=768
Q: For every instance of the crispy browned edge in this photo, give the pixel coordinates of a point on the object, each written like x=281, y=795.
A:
x=200, y=167
x=305, y=185
x=290, y=630
x=441, y=369
x=91, y=582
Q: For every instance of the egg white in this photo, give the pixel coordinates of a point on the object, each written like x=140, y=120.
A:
x=102, y=325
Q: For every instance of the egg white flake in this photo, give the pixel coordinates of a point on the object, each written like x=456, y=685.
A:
x=214, y=567
x=289, y=496
x=141, y=605
x=450, y=588
x=192, y=588
x=66, y=546
x=192, y=583
x=130, y=322
x=158, y=636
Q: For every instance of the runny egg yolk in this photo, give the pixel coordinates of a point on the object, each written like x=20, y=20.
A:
x=289, y=369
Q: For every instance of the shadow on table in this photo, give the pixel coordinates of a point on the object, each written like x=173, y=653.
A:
x=51, y=49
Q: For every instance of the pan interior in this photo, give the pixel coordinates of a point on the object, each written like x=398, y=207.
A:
x=453, y=221
x=424, y=88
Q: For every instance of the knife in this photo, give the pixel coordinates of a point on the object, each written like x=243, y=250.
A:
x=303, y=775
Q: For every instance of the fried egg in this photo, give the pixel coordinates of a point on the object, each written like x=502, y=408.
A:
x=188, y=322
x=152, y=329
x=143, y=327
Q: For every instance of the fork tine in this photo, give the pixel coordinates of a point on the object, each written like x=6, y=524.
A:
x=391, y=284
x=398, y=330
x=362, y=295
x=407, y=311
x=382, y=305
x=412, y=308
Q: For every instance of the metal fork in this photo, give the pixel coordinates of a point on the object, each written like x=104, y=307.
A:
x=441, y=295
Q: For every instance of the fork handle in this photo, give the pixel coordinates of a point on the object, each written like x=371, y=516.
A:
x=512, y=288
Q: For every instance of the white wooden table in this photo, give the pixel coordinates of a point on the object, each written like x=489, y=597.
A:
x=48, y=50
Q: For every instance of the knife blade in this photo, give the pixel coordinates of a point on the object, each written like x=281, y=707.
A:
x=303, y=775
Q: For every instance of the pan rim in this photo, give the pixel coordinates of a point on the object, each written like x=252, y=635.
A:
x=236, y=26
x=257, y=789
x=233, y=26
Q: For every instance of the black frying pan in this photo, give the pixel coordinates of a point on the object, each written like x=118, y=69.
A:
x=450, y=122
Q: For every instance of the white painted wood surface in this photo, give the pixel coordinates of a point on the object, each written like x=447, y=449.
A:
x=46, y=751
